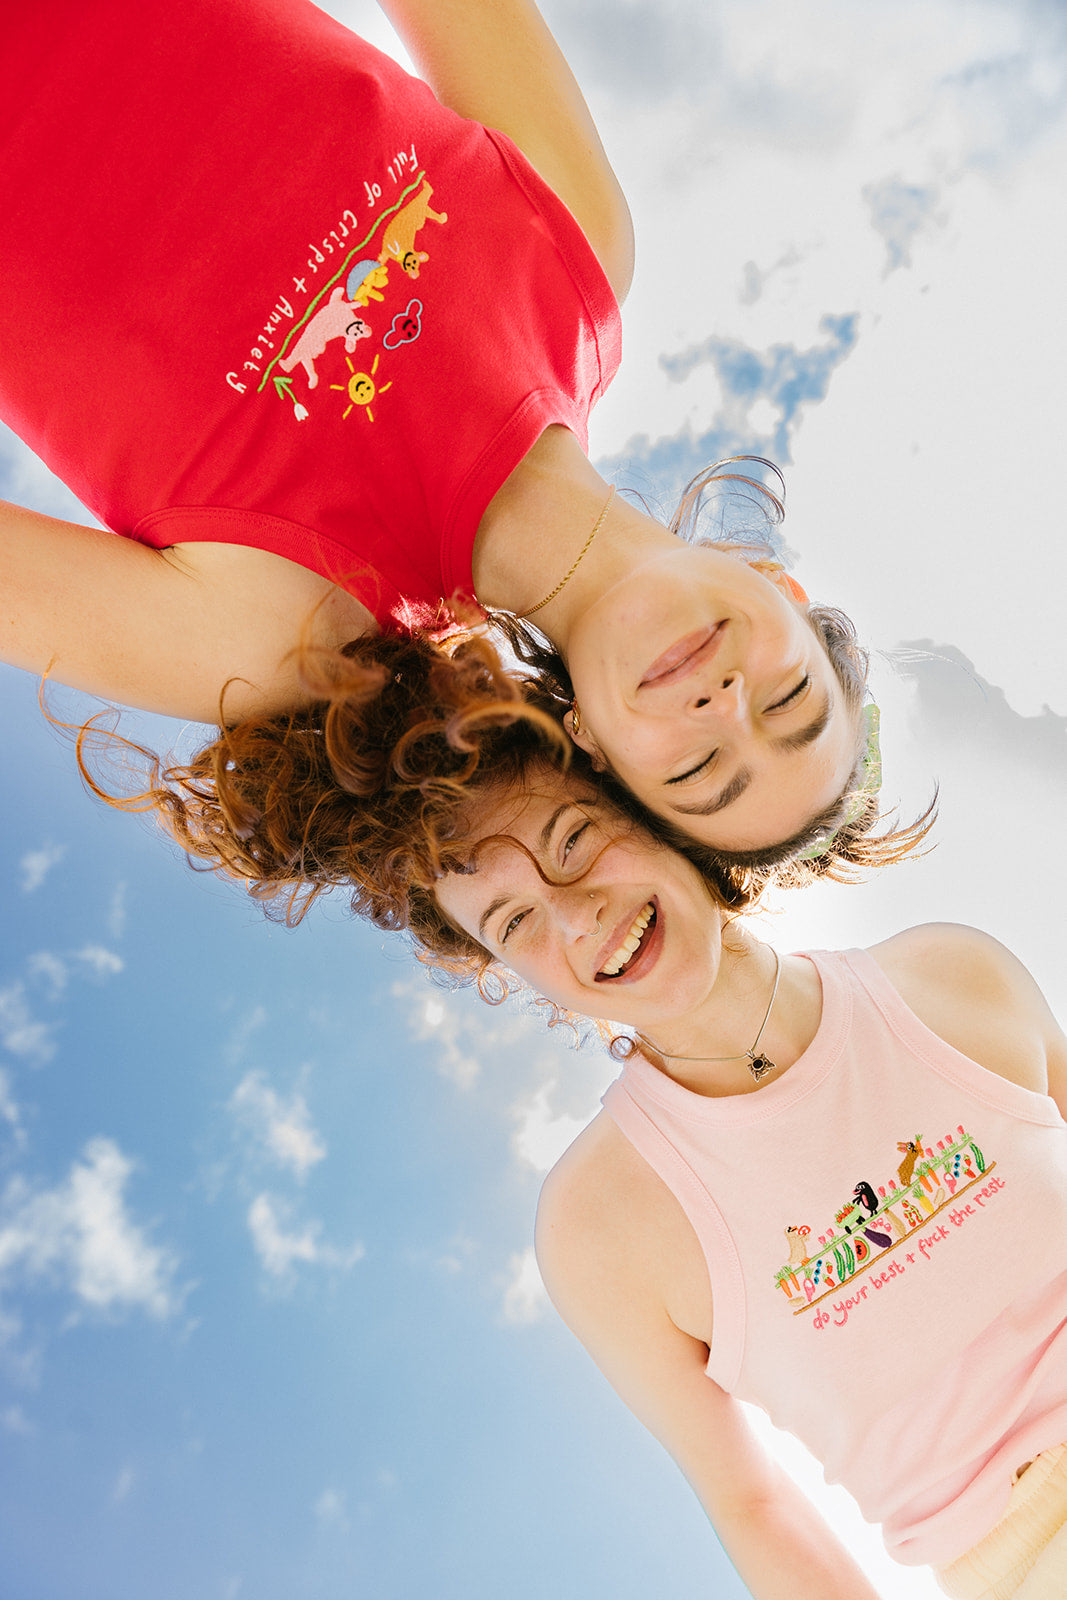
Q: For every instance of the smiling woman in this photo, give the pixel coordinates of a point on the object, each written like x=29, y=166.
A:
x=698, y=1236
x=348, y=286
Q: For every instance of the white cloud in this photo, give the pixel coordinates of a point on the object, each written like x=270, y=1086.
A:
x=525, y=1299
x=242, y=1032
x=37, y=864
x=81, y=1235
x=282, y=1124
x=280, y=1246
x=542, y=1135
x=430, y=1017
x=20, y=1032
x=52, y=969
x=104, y=963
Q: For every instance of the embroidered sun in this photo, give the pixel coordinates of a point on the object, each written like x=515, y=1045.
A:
x=361, y=388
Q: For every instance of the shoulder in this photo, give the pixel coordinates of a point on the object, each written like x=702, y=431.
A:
x=609, y=1232
x=950, y=955
x=975, y=995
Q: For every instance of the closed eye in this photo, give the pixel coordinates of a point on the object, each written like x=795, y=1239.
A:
x=794, y=694
x=701, y=766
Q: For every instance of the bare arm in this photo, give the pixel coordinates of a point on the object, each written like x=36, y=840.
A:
x=603, y=1239
x=163, y=630
x=497, y=62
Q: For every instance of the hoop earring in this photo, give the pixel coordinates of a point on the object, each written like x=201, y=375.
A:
x=576, y=719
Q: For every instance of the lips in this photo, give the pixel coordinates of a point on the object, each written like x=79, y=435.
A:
x=647, y=926
x=684, y=656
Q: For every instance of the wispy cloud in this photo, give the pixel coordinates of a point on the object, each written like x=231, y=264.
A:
x=124, y=1482
x=430, y=1017
x=35, y=865
x=117, y=911
x=15, y=1420
x=898, y=211
x=103, y=963
x=81, y=1236
x=8, y=1108
x=21, y=1033
x=542, y=1135
x=331, y=1510
x=525, y=1299
x=52, y=969
x=281, y=1245
x=280, y=1124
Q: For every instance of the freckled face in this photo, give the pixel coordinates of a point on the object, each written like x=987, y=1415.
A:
x=711, y=697
x=624, y=928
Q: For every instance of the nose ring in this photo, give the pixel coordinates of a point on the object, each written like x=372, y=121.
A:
x=593, y=931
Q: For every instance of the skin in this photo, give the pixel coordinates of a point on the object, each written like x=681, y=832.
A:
x=166, y=630
x=618, y=1255
x=637, y=597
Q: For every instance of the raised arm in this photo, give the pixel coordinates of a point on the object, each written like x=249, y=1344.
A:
x=497, y=62
x=163, y=630
x=609, y=1249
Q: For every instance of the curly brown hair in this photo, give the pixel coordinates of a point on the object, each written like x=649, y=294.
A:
x=361, y=788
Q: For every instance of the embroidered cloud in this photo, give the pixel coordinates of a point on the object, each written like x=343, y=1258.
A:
x=406, y=326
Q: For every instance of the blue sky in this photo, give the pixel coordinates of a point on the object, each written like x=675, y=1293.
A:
x=268, y=1322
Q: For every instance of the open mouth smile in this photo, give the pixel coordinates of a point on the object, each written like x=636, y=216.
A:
x=636, y=948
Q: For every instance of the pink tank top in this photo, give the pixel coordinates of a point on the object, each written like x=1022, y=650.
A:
x=885, y=1229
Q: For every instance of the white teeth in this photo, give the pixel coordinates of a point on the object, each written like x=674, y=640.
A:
x=616, y=962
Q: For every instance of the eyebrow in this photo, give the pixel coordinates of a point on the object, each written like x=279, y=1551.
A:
x=814, y=730
x=490, y=911
x=742, y=778
x=544, y=839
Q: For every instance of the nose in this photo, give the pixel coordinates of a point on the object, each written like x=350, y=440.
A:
x=721, y=695
x=576, y=911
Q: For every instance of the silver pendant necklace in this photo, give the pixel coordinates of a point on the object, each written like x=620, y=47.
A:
x=758, y=1064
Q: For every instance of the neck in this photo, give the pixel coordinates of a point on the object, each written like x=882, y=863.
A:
x=537, y=523
x=727, y=1023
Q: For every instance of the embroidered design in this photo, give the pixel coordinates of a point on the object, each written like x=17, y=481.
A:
x=360, y=281
x=361, y=388
x=338, y=319
x=407, y=325
x=876, y=1222
x=366, y=281
x=398, y=240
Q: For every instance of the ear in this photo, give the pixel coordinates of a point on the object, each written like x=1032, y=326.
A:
x=585, y=741
x=776, y=574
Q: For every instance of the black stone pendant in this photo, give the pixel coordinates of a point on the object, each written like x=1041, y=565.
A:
x=759, y=1066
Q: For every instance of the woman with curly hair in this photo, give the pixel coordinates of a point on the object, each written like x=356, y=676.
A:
x=320, y=340
x=831, y=1184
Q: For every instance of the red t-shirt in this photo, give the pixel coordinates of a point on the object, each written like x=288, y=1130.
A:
x=258, y=287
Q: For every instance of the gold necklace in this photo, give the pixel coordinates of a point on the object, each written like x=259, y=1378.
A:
x=597, y=525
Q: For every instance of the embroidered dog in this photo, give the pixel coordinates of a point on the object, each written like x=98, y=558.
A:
x=398, y=240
